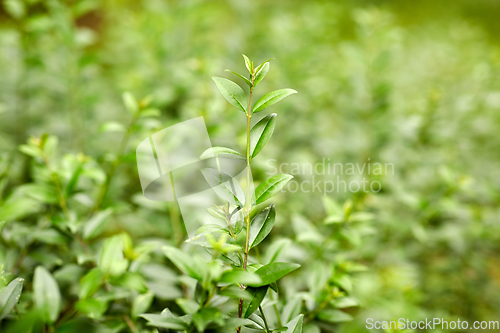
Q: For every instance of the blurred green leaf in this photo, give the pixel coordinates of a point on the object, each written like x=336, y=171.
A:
x=46, y=294
x=142, y=303
x=94, y=226
x=295, y=325
x=90, y=283
x=111, y=260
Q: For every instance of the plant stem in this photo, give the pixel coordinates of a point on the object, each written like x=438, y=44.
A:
x=264, y=318
x=248, y=201
x=277, y=312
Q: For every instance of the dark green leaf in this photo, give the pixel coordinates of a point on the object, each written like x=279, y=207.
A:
x=258, y=295
x=273, y=272
x=261, y=133
x=261, y=225
x=270, y=187
x=272, y=98
x=231, y=92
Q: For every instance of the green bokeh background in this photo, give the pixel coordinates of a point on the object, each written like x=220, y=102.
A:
x=413, y=83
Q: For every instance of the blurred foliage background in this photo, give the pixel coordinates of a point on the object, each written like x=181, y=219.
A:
x=415, y=84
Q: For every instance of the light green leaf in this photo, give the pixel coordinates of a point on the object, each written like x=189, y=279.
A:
x=275, y=249
x=15, y=8
x=216, y=212
x=258, y=295
x=159, y=320
x=216, y=151
x=31, y=150
x=261, y=133
x=248, y=64
x=261, y=225
x=111, y=126
x=231, y=92
x=9, y=296
x=92, y=307
x=111, y=260
x=130, y=102
x=247, y=81
x=184, y=262
x=239, y=276
x=225, y=186
x=272, y=98
x=295, y=325
x=260, y=73
x=270, y=187
x=334, y=316
x=273, y=272
x=90, y=283
x=46, y=294
x=94, y=226
x=142, y=303
x=205, y=316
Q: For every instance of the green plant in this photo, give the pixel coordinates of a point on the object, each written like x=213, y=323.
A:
x=231, y=272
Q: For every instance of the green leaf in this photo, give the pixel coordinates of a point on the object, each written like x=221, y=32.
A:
x=260, y=73
x=261, y=133
x=239, y=276
x=15, y=8
x=111, y=126
x=31, y=150
x=248, y=64
x=165, y=322
x=41, y=192
x=92, y=307
x=184, y=262
x=225, y=186
x=130, y=102
x=261, y=225
x=275, y=249
x=258, y=295
x=295, y=325
x=216, y=151
x=90, y=283
x=262, y=65
x=111, y=260
x=292, y=307
x=94, y=226
x=231, y=92
x=270, y=187
x=216, y=212
x=9, y=296
x=273, y=272
x=46, y=294
x=334, y=316
x=247, y=81
x=272, y=98
x=205, y=316
x=142, y=303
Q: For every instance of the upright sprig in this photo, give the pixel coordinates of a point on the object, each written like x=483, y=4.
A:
x=257, y=138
